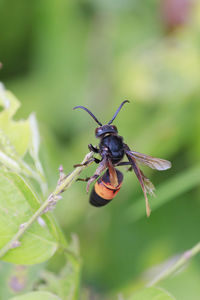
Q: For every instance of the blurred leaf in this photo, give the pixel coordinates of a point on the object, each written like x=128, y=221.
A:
x=9, y=162
x=18, y=132
x=18, y=204
x=16, y=137
x=34, y=151
x=188, y=277
x=15, y=279
x=152, y=294
x=35, y=137
x=174, y=187
x=36, y=296
x=66, y=284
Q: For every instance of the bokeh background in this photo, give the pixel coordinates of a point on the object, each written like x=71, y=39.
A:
x=57, y=54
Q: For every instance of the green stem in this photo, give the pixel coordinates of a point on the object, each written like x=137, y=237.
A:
x=46, y=205
x=185, y=257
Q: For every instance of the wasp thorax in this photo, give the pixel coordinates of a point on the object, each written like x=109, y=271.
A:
x=105, y=129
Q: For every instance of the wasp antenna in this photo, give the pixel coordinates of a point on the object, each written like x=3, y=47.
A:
x=89, y=112
x=117, y=111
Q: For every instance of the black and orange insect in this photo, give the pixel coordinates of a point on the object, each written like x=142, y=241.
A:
x=112, y=150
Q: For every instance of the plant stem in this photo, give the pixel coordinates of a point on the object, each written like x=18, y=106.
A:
x=46, y=205
x=184, y=258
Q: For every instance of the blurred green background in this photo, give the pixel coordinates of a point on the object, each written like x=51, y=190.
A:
x=58, y=54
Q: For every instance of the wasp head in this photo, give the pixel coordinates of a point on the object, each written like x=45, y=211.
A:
x=105, y=129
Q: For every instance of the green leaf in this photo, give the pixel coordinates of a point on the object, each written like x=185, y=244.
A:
x=36, y=296
x=152, y=294
x=17, y=205
x=17, y=132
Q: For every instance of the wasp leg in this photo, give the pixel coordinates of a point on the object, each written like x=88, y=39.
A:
x=125, y=163
x=92, y=148
x=83, y=179
x=102, y=166
x=96, y=160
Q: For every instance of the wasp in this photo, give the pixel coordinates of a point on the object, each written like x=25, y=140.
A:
x=112, y=151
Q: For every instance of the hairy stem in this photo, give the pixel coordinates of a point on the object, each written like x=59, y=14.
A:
x=184, y=258
x=63, y=184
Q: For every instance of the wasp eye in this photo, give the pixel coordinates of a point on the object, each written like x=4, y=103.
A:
x=98, y=131
x=114, y=127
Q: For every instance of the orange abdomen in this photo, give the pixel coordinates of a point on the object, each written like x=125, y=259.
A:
x=103, y=192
